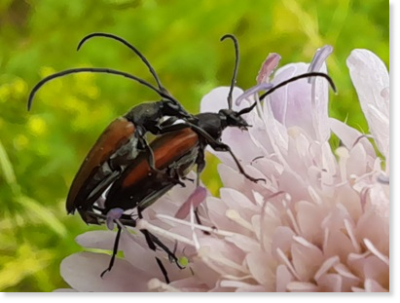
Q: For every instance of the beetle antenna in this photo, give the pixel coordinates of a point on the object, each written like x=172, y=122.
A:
x=94, y=70
x=133, y=48
x=295, y=78
x=235, y=70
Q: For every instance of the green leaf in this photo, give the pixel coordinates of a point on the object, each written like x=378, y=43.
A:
x=6, y=166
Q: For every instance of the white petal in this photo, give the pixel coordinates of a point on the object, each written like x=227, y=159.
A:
x=82, y=272
x=260, y=267
x=292, y=104
x=217, y=99
x=350, y=136
x=97, y=239
x=371, y=80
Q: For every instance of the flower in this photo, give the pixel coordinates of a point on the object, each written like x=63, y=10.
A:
x=319, y=222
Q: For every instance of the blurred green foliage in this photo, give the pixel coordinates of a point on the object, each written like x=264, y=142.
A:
x=40, y=151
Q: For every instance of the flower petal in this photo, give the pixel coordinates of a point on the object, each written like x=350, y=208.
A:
x=216, y=100
x=371, y=80
x=82, y=272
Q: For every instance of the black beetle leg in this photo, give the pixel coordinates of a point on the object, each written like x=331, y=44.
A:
x=152, y=246
x=201, y=163
x=115, y=251
x=219, y=146
x=171, y=255
x=150, y=155
x=156, y=171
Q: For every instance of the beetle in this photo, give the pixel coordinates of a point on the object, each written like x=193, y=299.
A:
x=120, y=142
x=182, y=146
x=177, y=150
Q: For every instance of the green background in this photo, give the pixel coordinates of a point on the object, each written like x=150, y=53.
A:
x=40, y=151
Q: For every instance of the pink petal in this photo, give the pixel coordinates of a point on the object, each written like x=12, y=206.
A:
x=234, y=199
x=306, y=260
x=326, y=266
x=141, y=257
x=216, y=213
x=282, y=239
x=302, y=287
x=231, y=178
x=310, y=229
x=376, y=270
x=373, y=286
x=247, y=244
x=349, y=280
x=268, y=67
x=338, y=244
x=293, y=104
x=375, y=228
x=241, y=144
x=190, y=284
x=194, y=200
x=330, y=283
x=97, y=239
x=283, y=278
x=82, y=272
x=260, y=268
x=350, y=136
x=252, y=288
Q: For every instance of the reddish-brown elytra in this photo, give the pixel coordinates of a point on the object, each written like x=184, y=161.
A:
x=120, y=142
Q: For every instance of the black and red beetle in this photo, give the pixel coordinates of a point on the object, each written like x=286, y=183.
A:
x=120, y=142
x=177, y=151
x=181, y=146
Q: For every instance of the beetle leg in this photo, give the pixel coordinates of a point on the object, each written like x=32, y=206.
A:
x=115, y=251
x=153, y=168
x=153, y=247
x=201, y=164
x=219, y=146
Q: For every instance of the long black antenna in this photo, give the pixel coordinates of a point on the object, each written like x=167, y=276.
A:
x=94, y=70
x=134, y=49
x=235, y=70
x=283, y=83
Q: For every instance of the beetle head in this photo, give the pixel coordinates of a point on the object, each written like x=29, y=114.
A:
x=172, y=108
x=232, y=118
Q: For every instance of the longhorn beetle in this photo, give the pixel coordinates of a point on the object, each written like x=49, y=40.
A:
x=176, y=151
x=121, y=141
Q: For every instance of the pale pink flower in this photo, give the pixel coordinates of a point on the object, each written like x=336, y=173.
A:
x=319, y=222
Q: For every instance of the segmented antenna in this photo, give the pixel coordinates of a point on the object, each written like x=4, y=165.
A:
x=94, y=70
x=283, y=83
x=133, y=48
x=235, y=70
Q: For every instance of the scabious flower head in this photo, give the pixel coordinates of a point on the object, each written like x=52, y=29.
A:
x=319, y=222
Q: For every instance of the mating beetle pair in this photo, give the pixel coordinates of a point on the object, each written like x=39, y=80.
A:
x=137, y=172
